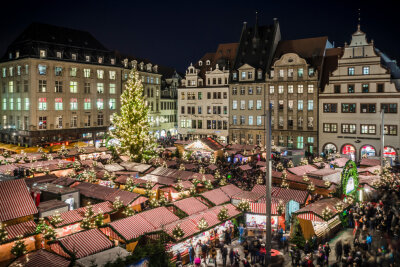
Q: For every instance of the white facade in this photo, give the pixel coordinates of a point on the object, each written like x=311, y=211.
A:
x=350, y=105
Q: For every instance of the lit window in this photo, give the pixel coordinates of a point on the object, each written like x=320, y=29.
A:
x=74, y=56
x=112, y=61
x=87, y=58
x=100, y=74
x=42, y=53
x=73, y=87
x=86, y=73
x=18, y=70
x=112, y=103
x=259, y=120
x=26, y=107
x=250, y=120
x=290, y=73
x=58, y=104
x=258, y=106
x=100, y=88
x=19, y=103
x=11, y=71
x=365, y=70
x=73, y=104
x=99, y=104
x=42, y=125
x=290, y=89
x=4, y=72
x=300, y=105
x=42, y=86
x=112, y=88
x=58, y=71
x=300, y=142
x=42, y=103
x=59, y=54
x=11, y=87
x=350, y=71
x=87, y=104
x=271, y=89
x=17, y=54
x=42, y=69
x=280, y=89
x=300, y=89
x=74, y=121
x=73, y=72
x=300, y=72
x=310, y=105
x=59, y=122
x=4, y=103
x=112, y=74
x=234, y=104
x=310, y=88
x=243, y=75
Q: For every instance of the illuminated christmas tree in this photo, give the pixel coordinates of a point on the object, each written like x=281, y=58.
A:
x=19, y=247
x=87, y=222
x=131, y=125
x=177, y=232
x=223, y=214
x=117, y=204
x=56, y=218
x=99, y=220
x=3, y=233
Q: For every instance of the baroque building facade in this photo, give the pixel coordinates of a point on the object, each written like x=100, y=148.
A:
x=203, y=99
x=363, y=82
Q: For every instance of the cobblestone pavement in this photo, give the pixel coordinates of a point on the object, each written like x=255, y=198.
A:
x=346, y=234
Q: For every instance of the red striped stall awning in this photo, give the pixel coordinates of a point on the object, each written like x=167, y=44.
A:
x=159, y=216
x=25, y=228
x=310, y=216
x=216, y=196
x=132, y=227
x=190, y=205
x=110, y=233
x=260, y=208
x=139, y=201
x=86, y=243
x=231, y=190
x=40, y=258
x=189, y=228
x=210, y=217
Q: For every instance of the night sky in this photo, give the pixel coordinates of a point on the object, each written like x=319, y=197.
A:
x=176, y=33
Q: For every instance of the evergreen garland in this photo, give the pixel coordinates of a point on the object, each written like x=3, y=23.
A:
x=19, y=247
x=56, y=218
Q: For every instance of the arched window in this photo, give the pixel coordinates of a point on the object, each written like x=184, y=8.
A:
x=200, y=63
x=348, y=149
x=208, y=62
x=330, y=148
x=368, y=150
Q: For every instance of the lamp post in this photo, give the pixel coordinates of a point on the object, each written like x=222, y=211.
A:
x=268, y=184
x=382, y=137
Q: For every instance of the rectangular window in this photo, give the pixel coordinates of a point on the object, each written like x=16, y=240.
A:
x=42, y=105
x=200, y=95
x=199, y=110
x=26, y=106
x=100, y=74
x=99, y=104
x=225, y=95
x=367, y=108
x=365, y=88
x=311, y=72
x=234, y=90
x=365, y=70
x=258, y=90
x=26, y=86
x=4, y=107
x=380, y=88
x=42, y=125
x=290, y=89
x=271, y=89
x=242, y=120
x=330, y=108
x=59, y=122
x=234, y=104
x=300, y=105
x=19, y=103
x=11, y=87
x=300, y=142
x=100, y=88
x=250, y=105
x=310, y=88
x=87, y=88
x=42, y=86
x=199, y=124
x=250, y=75
x=73, y=104
x=73, y=72
x=100, y=120
x=243, y=75
x=42, y=69
x=389, y=108
x=281, y=73
x=259, y=105
x=350, y=71
x=87, y=120
x=74, y=121
x=225, y=110
x=242, y=90
x=73, y=87
x=87, y=104
x=368, y=128
x=58, y=104
x=348, y=108
x=259, y=120
x=280, y=89
x=112, y=104
x=310, y=105
x=290, y=104
x=300, y=89
x=280, y=104
x=330, y=127
x=58, y=88
x=242, y=104
x=290, y=73
x=390, y=130
x=250, y=90
x=337, y=89
x=112, y=88
x=234, y=120
x=250, y=120
x=58, y=71
x=350, y=88
x=300, y=72
x=86, y=73
x=348, y=128
x=113, y=74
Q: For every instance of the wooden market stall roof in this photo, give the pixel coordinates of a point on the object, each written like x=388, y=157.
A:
x=249, y=196
x=157, y=179
x=41, y=258
x=246, y=167
x=302, y=170
x=190, y=205
x=172, y=173
x=299, y=179
x=231, y=190
x=340, y=162
x=81, y=244
x=15, y=200
x=285, y=194
x=129, y=228
x=216, y=196
x=260, y=208
x=370, y=162
x=159, y=216
x=314, y=210
x=24, y=229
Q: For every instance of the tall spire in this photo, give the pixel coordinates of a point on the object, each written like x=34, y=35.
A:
x=359, y=20
x=256, y=27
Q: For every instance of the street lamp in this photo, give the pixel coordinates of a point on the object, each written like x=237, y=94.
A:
x=268, y=184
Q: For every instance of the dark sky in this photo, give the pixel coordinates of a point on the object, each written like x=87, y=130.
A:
x=175, y=33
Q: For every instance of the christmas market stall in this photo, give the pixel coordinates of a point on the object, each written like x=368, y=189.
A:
x=203, y=148
x=73, y=221
x=206, y=227
x=104, y=257
x=216, y=196
x=81, y=245
x=41, y=258
x=321, y=218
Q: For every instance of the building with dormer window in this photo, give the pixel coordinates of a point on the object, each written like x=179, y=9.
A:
x=247, y=83
x=362, y=82
x=203, y=102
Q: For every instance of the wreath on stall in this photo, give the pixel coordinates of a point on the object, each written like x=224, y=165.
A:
x=202, y=225
x=243, y=205
x=223, y=214
x=177, y=232
x=327, y=213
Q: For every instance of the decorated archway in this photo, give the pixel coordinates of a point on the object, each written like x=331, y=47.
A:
x=368, y=150
x=350, y=150
x=390, y=152
x=349, y=180
x=330, y=148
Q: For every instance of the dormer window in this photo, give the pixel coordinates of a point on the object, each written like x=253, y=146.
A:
x=234, y=75
x=74, y=56
x=272, y=73
x=100, y=60
x=148, y=67
x=112, y=61
x=311, y=72
x=10, y=55
x=87, y=58
x=200, y=63
x=42, y=53
x=17, y=54
x=208, y=62
x=259, y=74
x=125, y=63
x=243, y=75
x=250, y=75
x=58, y=54
x=141, y=65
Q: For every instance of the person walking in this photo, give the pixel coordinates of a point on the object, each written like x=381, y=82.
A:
x=231, y=256
x=213, y=255
x=369, y=241
x=263, y=253
x=224, y=254
x=204, y=250
x=327, y=250
x=191, y=254
x=338, y=251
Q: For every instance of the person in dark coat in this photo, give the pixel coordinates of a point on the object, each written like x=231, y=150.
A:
x=346, y=249
x=338, y=250
x=327, y=250
x=224, y=254
x=307, y=248
x=231, y=256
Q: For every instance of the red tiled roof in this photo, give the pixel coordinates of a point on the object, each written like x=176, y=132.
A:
x=216, y=196
x=285, y=194
x=159, y=216
x=41, y=258
x=231, y=190
x=86, y=243
x=24, y=228
x=299, y=179
x=132, y=227
x=15, y=200
x=190, y=205
x=318, y=206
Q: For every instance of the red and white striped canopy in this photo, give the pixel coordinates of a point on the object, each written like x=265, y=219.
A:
x=132, y=227
x=216, y=196
x=190, y=205
x=260, y=208
x=159, y=216
x=139, y=201
x=23, y=229
x=41, y=258
x=86, y=243
x=231, y=190
x=188, y=226
x=310, y=216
